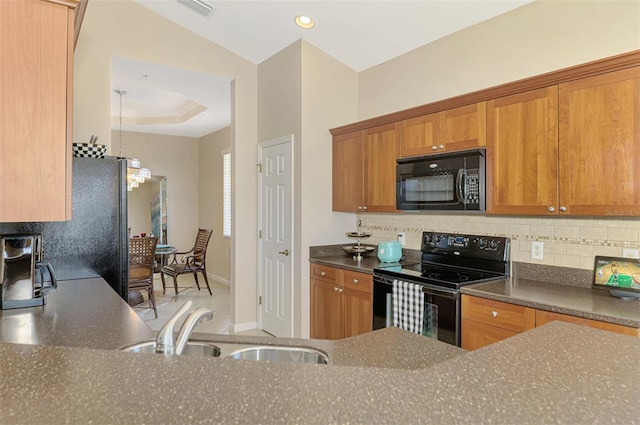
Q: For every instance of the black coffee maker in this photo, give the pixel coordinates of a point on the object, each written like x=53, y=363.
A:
x=22, y=272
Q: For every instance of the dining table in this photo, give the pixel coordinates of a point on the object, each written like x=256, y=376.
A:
x=162, y=252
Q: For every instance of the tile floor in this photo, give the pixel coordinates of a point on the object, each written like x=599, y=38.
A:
x=168, y=304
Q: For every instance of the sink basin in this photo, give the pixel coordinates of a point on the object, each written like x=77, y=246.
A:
x=193, y=348
x=240, y=351
x=280, y=354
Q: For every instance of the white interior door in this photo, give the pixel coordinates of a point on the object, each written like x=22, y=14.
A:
x=275, y=231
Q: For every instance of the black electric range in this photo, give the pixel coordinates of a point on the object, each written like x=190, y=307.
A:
x=448, y=262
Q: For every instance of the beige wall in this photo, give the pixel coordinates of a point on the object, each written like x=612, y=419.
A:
x=124, y=28
x=304, y=92
x=211, y=148
x=329, y=99
x=540, y=37
x=279, y=112
x=176, y=158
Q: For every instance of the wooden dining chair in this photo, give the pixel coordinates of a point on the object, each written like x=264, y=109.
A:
x=192, y=261
x=142, y=253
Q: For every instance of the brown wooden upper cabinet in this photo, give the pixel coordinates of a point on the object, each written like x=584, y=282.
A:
x=364, y=164
x=446, y=131
x=381, y=150
x=419, y=136
x=348, y=171
x=36, y=58
x=567, y=149
x=599, y=139
x=522, y=153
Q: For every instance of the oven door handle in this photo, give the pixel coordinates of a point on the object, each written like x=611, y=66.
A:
x=462, y=174
x=434, y=290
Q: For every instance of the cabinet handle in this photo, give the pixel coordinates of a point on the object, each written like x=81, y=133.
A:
x=323, y=274
x=434, y=148
x=563, y=209
x=364, y=208
x=551, y=209
x=494, y=314
x=335, y=289
x=441, y=147
x=355, y=281
x=340, y=290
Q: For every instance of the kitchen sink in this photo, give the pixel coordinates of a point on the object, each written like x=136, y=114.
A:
x=240, y=351
x=193, y=348
x=280, y=354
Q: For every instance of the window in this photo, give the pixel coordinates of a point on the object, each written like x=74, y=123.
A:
x=226, y=195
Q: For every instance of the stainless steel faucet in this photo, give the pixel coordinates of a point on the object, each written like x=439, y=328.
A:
x=165, y=342
x=196, y=316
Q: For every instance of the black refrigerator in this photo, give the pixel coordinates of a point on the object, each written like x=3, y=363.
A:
x=95, y=242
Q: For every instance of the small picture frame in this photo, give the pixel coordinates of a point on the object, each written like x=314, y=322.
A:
x=621, y=276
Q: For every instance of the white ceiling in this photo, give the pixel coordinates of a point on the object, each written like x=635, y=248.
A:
x=358, y=33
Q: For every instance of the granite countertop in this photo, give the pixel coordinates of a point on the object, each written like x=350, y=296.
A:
x=79, y=313
x=558, y=373
x=385, y=376
x=566, y=299
x=576, y=301
x=334, y=256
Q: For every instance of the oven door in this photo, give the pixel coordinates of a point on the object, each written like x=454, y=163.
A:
x=441, y=314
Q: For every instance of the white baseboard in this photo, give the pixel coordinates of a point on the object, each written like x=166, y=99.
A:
x=241, y=327
x=219, y=279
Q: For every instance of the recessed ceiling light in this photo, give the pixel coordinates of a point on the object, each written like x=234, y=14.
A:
x=304, y=22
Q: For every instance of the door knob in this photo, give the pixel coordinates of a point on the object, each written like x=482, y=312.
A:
x=285, y=252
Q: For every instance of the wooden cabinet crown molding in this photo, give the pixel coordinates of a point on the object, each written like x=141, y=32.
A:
x=601, y=66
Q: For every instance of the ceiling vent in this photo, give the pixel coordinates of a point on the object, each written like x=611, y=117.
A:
x=199, y=6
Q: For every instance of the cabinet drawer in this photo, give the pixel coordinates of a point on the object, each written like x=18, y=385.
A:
x=543, y=317
x=358, y=281
x=494, y=313
x=324, y=273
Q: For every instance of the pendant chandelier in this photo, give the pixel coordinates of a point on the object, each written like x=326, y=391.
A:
x=135, y=174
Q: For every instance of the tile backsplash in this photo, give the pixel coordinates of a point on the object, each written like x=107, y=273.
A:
x=567, y=241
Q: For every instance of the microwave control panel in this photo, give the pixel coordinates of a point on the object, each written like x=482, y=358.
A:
x=472, y=187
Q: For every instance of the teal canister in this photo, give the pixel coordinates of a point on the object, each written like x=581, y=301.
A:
x=389, y=252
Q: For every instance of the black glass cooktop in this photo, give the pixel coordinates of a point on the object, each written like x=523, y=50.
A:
x=436, y=274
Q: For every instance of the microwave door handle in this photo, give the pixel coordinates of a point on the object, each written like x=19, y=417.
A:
x=461, y=181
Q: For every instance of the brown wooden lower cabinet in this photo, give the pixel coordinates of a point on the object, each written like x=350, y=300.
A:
x=341, y=302
x=543, y=317
x=487, y=321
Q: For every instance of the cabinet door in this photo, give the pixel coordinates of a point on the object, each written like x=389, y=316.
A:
x=348, y=172
x=36, y=52
x=381, y=149
x=327, y=320
x=599, y=141
x=463, y=128
x=477, y=335
x=419, y=136
x=358, y=312
x=522, y=153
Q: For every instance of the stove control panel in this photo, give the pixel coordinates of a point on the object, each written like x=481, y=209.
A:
x=477, y=246
x=458, y=241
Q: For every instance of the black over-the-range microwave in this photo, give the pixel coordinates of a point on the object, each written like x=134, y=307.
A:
x=447, y=181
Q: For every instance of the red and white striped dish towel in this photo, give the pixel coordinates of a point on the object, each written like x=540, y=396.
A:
x=408, y=306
